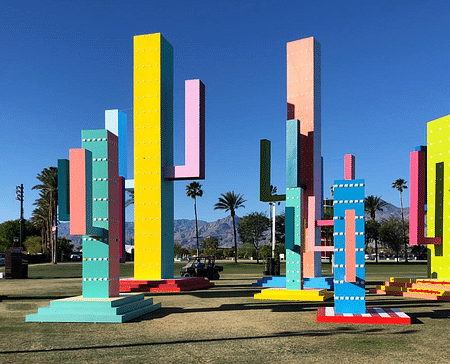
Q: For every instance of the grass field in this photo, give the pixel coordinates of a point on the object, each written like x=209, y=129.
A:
x=223, y=324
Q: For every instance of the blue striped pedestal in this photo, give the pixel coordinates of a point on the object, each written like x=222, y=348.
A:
x=101, y=310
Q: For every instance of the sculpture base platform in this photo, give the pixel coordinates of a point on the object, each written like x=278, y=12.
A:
x=271, y=281
x=280, y=282
x=387, y=316
x=422, y=288
x=165, y=285
x=284, y=294
x=101, y=310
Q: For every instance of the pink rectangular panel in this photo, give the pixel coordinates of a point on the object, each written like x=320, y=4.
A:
x=194, y=167
x=417, y=178
x=303, y=104
x=350, y=246
x=77, y=171
x=417, y=175
x=325, y=222
x=115, y=213
x=311, y=234
x=349, y=169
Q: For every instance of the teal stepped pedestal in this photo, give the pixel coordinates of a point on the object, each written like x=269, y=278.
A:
x=108, y=310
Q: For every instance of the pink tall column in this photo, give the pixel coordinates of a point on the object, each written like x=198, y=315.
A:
x=303, y=103
x=349, y=166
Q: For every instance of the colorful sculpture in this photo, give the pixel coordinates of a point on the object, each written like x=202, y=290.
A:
x=154, y=172
x=95, y=200
x=303, y=177
x=428, y=188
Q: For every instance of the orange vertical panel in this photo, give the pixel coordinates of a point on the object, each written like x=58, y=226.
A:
x=78, y=187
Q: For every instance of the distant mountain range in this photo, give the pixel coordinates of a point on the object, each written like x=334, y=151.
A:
x=184, y=229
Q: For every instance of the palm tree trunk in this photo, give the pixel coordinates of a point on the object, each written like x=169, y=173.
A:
x=235, y=240
x=403, y=230
x=196, y=225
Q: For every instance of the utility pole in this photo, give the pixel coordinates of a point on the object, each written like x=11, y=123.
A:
x=19, y=196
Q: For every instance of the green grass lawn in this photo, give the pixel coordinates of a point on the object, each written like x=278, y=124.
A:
x=223, y=324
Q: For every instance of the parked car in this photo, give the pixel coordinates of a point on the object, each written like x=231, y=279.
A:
x=76, y=257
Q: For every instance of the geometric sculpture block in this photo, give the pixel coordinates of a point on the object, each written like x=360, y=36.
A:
x=153, y=150
x=349, y=248
x=101, y=253
x=438, y=211
x=63, y=190
x=153, y=153
x=116, y=123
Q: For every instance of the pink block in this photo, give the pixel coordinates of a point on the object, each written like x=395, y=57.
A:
x=350, y=246
x=311, y=235
x=115, y=213
x=349, y=169
x=78, y=208
x=194, y=167
x=417, y=175
x=325, y=222
x=303, y=89
x=324, y=248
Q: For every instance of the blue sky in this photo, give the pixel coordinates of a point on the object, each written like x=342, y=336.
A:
x=385, y=74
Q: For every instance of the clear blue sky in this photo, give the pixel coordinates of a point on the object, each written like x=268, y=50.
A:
x=385, y=74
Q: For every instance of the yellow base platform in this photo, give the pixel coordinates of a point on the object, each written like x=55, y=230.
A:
x=284, y=294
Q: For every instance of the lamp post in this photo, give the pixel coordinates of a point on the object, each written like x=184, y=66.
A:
x=19, y=196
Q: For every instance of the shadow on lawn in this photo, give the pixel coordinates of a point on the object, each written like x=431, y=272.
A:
x=305, y=333
x=272, y=306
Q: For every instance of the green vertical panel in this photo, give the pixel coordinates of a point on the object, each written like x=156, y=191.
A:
x=293, y=228
x=63, y=190
x=439, y=203
x=167, y=199
x=264, y=170
x=292, y=153
x=289, y=225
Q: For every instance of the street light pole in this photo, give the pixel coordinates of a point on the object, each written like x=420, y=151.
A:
x=19, y=196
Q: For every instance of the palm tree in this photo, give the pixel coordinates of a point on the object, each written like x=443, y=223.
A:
x=49, y=189
x=194, y=190
x=372, y=204
x=39, y=218
x=400, y=185
x=231, y=202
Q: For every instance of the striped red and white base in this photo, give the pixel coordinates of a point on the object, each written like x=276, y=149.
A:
x=388, y=316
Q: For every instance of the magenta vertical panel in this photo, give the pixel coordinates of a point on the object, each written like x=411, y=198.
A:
x=115, y=213
x=349, y=169
x=417, y=197
x=122, y=221
x=194, y=166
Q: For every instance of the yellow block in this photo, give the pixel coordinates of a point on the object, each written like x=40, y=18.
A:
x=284, y=294
x=438, y=147
x=403, y=280
x=147, y=156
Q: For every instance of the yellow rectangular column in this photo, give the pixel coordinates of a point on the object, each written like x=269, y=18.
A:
x=153, y=150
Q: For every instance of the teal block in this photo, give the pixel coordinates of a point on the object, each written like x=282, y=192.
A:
x=167, y=198
x=293, y=226
x=293, y=148
x=77, y=309
x=63, y=190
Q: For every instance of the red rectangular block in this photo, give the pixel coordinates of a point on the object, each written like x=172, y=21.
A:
x=387, y=316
